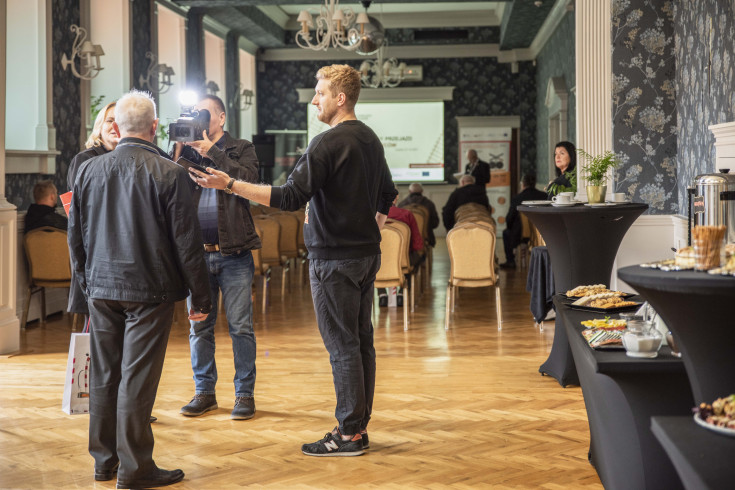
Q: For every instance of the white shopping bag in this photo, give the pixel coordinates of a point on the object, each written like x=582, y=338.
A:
x=76, y=383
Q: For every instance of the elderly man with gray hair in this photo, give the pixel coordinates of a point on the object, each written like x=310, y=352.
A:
x=135, y=249
x=416, y=196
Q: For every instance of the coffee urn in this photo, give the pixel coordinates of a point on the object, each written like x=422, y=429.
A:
x=713, y=201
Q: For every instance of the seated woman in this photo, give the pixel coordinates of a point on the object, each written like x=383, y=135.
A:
x=565, y=159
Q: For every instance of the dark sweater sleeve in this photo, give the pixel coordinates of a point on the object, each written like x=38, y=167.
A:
x=388, y=193
x=307, y=178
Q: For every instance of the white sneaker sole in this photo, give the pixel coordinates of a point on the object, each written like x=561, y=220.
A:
x=351, y=453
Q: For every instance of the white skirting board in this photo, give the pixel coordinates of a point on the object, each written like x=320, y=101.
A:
x=650, y=238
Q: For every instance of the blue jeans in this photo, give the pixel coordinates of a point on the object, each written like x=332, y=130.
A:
x=342, y=291
x=233, y=275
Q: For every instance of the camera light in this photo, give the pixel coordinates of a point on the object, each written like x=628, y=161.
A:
x=188, y=98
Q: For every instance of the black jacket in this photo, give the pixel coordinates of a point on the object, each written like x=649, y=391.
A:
x=234, y=222
x=513, y=219
x=481, y=172
x=133, y=231
x=463, y=195
x=433, y=216
x=79, y=159
x=344, y=176
x=40, y=215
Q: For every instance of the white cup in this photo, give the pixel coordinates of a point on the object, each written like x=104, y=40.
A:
x=562, y=198
x=618, y=197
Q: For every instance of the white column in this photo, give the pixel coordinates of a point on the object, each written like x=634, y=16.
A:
x=593, y=30
x=9, y=324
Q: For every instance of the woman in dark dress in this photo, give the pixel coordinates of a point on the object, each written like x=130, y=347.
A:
x=565, y=159
x=102, y=140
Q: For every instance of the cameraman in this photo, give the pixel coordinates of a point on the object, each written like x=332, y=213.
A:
x=229, y=236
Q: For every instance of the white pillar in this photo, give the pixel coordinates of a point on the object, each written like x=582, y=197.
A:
x=9, y=324
x=593, y=41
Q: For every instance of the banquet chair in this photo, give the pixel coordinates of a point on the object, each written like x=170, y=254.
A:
x=264, y=271
x=472, y=257
x=523, y=249
x=406, y=266
x=270, y=254
x=49, y=266
x=300, y=215
x=422, y=222
x=288, y=244
x=391, y=273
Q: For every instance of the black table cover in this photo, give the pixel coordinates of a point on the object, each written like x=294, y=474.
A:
x=621, y=394
x=703, y=459
x=540, y=283
x=699, y=309
x=582, y=243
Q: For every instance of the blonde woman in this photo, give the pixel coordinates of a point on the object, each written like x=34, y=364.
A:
x=104, y=138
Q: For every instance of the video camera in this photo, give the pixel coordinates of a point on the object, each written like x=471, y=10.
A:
x=189, y=126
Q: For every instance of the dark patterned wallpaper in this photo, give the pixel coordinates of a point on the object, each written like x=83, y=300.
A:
x=705, y=95
x=644, y=102
x=556, y=59
x=484, y=87
x=141, y=16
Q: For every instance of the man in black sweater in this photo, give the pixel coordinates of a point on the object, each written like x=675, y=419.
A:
x=514, y=227
x=43, y=211
x=468, y=191
x=345, y=179
x=477, y=168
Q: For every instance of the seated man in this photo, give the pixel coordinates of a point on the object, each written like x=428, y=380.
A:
x=467, y=191
x=512, y=234
x=416, y=245
x=416, y=197
x=43, y=212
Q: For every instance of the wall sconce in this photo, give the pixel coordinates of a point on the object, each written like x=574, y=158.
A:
x=247, y=99
x=85, y=51
x=157, y=77
x=211, y=87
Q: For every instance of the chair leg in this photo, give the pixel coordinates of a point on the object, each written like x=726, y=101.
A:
x=25, y=309
x=498, y=307
x=413, y=289
x=446, y=307
x=405, y=310
x=455, y=293
x=43, y=305
x=265, y=291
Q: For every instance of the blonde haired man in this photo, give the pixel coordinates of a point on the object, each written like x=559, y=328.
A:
x=344, y=178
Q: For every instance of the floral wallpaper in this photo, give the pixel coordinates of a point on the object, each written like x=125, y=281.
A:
x=644, y=102
x=484, y=87
x=141, y=16
x=705, y=83
x=556, y=59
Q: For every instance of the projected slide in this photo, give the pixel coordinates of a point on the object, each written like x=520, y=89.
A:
x=412, y=134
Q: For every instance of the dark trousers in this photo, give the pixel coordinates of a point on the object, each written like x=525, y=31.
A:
x=128, y=344
x=342, y=291
x=511, y=240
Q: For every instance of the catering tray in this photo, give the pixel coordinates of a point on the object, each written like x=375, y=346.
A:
x=720, y=430
x=604, y=310
x=575, y=298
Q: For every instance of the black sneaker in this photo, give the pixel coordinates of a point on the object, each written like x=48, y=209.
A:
x=383, y=300
x=199, y=405
x=244, y=408
x=399, y=300
x=508, y=265
x=333, y=445
x=365, y=440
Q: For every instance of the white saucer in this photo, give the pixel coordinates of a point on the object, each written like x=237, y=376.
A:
x=565, y=204
x=600, y=204
x=536, y=203
x=627, y=201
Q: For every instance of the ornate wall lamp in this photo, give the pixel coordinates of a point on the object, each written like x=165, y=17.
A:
x=246, y=97
x=88, y=54
x=211, y=87
x=158, y=76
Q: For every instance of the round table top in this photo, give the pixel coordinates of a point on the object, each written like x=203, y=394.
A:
x=689, y=282
x=581, y=208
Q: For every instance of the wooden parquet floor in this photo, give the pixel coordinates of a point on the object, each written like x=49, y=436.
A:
x=459, y=408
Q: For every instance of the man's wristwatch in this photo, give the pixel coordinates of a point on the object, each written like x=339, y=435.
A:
x=228, y=187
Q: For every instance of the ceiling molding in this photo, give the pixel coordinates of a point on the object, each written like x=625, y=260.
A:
x=402, y=94
x=464, y=18
x=560, y=9
x=277, y=15
x=402, y=52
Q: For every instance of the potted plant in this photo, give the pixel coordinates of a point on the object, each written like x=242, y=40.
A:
x=596, y=168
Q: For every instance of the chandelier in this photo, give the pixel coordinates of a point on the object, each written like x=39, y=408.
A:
x=340, y=28
x=382, y=72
